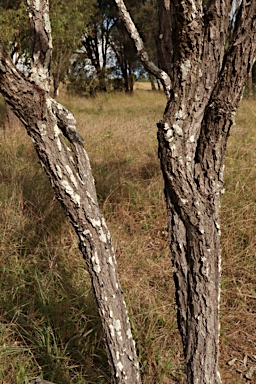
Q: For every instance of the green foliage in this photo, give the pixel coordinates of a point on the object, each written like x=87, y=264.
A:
x=109, y=48
x=14, y=26
x=95, y=27
x=86, y=83
x=142, y=13
x=68, y=21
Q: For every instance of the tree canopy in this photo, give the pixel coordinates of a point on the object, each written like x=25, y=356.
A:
x=85, y=33
x=14, y=27
x=68, y=20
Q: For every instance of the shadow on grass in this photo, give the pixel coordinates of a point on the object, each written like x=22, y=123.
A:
x=46, y=295
x=118, y=180
x=45, y=290
x=59, y=326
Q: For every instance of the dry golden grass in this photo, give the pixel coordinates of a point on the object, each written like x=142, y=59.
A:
x=120, y=137
x=238, y=336
x=48, y=319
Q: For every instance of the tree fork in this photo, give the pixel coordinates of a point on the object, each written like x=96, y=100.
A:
x=204, y=81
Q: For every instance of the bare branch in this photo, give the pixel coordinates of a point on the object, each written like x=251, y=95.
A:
x=142, y=54
x=228, y=89
x=216, y=20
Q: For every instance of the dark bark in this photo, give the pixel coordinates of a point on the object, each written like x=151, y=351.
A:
x=126, y=79
x=131, y=77
x=166, y=35
x=60, y=148
x=152, y=82
x=192, y=144
x=96, y=46
x=206, y=86
x=56, y=85
x=101, y=75
x=126, y=69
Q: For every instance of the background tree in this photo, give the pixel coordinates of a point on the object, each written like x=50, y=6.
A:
x=125, y=55
x=123, y=47
x=68, y=20
x=110, y=50
x=204, y=78
x=147, y=10
x=96, y=39
x=14, y=28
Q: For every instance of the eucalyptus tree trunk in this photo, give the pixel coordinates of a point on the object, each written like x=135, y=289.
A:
x=52, y=129
x=204, y=84
x=152, y=82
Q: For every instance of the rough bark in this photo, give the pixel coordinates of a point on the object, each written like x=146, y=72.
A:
x=166, y=35
x=207, y=85
x=52, y=129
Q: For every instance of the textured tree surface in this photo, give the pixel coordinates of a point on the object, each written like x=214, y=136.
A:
x=52, y=129
x=204, y=75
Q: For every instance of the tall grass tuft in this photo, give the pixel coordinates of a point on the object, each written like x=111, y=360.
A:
x=48, y=319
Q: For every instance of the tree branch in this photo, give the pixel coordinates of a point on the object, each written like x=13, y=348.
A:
x=228, y=91
x=216, y=21
x=142, y=54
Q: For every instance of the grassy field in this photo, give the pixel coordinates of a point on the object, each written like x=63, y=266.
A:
x=48, y=318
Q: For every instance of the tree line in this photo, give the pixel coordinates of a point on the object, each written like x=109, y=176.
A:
x=92, y=49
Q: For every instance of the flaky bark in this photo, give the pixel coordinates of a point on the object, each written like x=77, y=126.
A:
x=207, y=85
x=52, y=128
